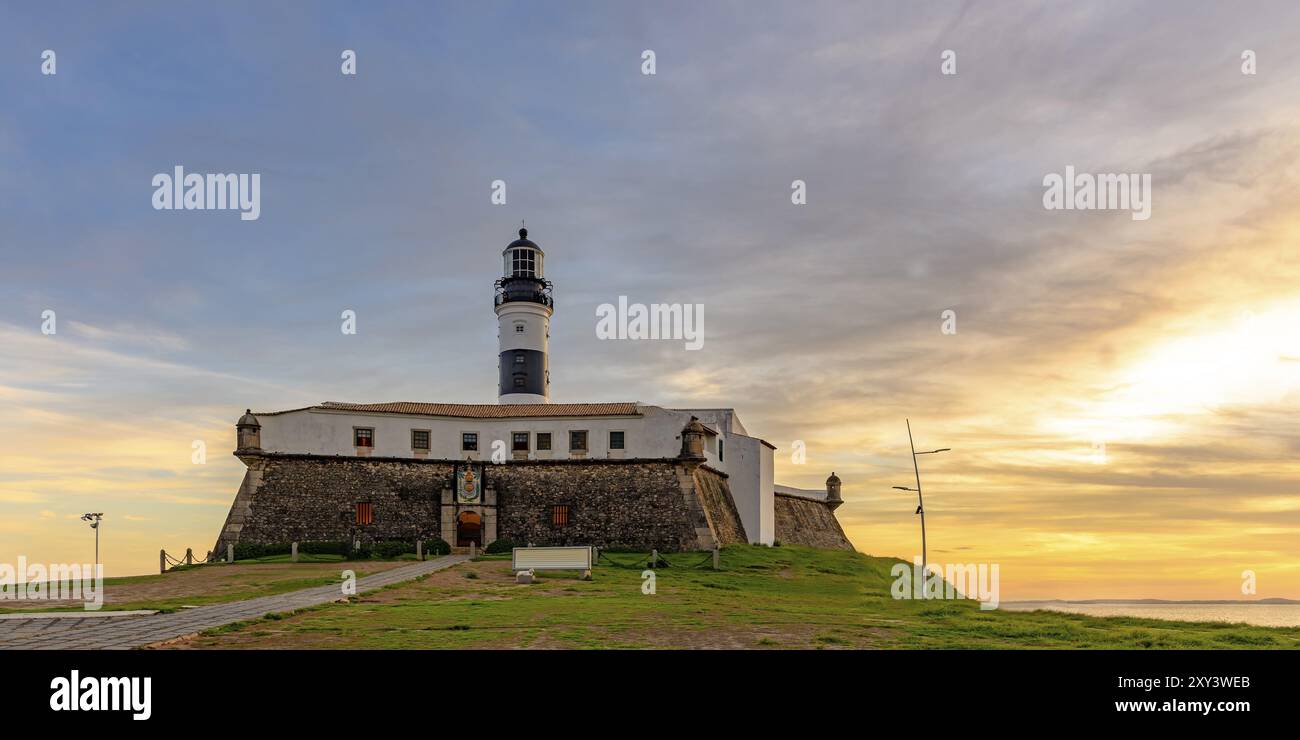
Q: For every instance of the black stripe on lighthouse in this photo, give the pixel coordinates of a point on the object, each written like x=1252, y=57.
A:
x=522, y=371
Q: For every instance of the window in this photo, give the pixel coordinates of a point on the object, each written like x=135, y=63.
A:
x=720, y=449
x=519, y=441
x=365, y=513
x=519, y=328
x=615, y=440
x=559, y=516
x=524, y=263
x=519, y=381
x=543, y=440
x=578, y=440
x=519, y=358
x=469, y=442
x=363, y=437
x=420, y=440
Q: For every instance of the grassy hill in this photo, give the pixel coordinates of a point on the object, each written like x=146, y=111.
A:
x=787, y=597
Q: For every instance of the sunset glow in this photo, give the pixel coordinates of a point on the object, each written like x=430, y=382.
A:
x=1121, y=397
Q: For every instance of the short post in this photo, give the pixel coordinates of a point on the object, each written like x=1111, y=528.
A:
x=717, y=558
x=419, y=549
x=654, y=558
x=230, y=552
x=473, y=549
x=189, y=556
x=162, y=562
x=293, y=552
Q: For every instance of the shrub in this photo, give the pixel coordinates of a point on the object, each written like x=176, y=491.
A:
x=254, y=550
x=436, y=546
x=361, y=552
x=389, y=549
x=501, y=545
x=323, y=548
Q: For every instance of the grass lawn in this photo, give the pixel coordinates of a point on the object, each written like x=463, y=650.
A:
x=767, y=598
x=197, y=585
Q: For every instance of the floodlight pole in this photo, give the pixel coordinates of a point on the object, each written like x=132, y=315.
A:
x=920, y=503
x=94, y=519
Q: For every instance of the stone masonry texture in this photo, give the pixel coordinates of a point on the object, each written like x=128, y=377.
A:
x=801, y=521
x=719, y=506
x=667, y=504
x=303, y=498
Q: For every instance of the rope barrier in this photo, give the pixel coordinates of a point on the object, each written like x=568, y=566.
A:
x=708, y=560
x=173, y=562
x=644, y=561
x=604, y=557
x=636, y=564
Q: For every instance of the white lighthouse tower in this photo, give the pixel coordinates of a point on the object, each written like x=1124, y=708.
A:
x=524, y=307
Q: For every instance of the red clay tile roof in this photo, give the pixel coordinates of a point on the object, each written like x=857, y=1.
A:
x=482, y=410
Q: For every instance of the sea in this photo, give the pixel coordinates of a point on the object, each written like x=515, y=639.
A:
x=1264, y=615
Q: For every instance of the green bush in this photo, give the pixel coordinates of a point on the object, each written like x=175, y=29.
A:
x=389, y=549
x=323, y=548
x=501, y=545
x=254, y=550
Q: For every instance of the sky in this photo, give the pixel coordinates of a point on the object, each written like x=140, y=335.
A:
x=1120, y=396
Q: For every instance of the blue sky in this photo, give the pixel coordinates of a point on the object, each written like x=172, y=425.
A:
x=821, y=320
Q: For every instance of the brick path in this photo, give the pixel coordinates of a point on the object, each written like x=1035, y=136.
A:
x=121, y=633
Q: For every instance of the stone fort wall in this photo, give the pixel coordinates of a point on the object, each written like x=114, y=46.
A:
x=719, y=506
x=670, y=505
x=801, y=521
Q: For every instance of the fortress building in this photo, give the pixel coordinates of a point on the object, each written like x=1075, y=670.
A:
x=524, y=469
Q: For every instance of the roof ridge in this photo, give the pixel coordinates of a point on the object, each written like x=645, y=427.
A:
x=443, y=403
x=484, y=410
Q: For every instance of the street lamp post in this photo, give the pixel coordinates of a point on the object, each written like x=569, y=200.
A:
x=94, y=519
x=920, y=503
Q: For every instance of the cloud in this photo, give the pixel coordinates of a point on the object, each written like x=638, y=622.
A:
x=128, y=334
x=924, y=195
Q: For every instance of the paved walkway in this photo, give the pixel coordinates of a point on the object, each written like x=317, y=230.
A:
x=97, y=614
x=122, y=633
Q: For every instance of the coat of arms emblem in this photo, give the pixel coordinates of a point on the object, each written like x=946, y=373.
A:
x=468, y=486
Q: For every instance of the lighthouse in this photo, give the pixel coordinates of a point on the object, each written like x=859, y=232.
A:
x=523, y=306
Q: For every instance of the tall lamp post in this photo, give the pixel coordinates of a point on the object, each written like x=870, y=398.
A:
x=920, y=503
x=94, y=524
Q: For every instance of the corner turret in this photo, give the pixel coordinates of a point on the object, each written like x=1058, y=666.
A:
x=248, y=432
x=833, y=499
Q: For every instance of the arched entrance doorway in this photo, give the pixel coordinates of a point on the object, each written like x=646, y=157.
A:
x=469, y=529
